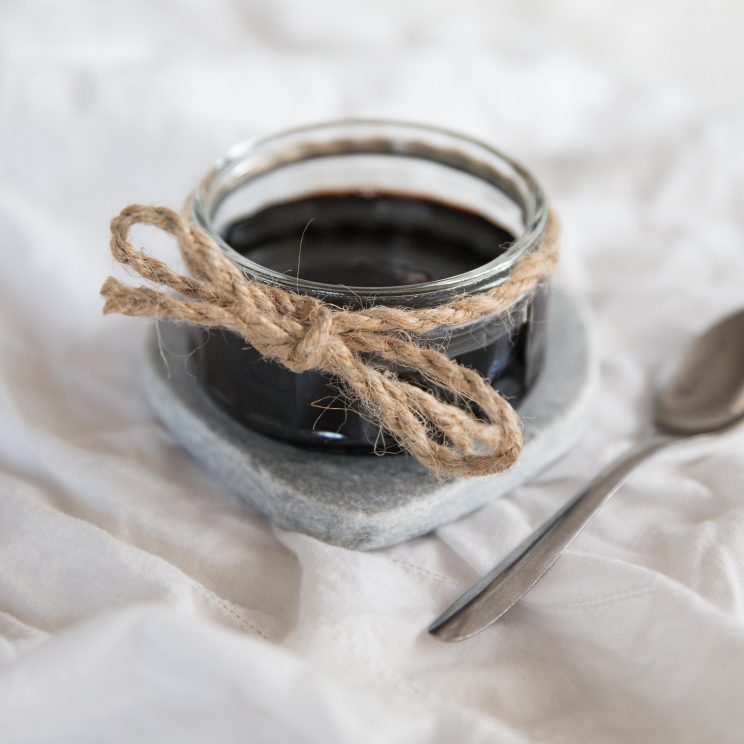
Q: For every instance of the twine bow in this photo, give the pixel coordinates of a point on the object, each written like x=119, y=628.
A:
x=358, y=347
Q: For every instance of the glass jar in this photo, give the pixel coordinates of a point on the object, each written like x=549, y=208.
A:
x=371, y=159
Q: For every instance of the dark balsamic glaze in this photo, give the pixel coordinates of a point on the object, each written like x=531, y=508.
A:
x=356, y=240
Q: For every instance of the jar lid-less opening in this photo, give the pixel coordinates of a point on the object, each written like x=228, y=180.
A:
x=376, y=157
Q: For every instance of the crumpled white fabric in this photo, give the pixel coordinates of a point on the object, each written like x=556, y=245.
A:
x=140, y=601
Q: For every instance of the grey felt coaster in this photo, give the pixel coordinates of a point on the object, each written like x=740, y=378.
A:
x=363, y=501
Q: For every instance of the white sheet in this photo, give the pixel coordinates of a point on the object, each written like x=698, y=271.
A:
x=139, y=601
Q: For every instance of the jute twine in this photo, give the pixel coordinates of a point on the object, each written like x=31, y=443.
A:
x=356, y=347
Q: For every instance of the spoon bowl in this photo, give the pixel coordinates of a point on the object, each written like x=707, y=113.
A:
x=704, y=391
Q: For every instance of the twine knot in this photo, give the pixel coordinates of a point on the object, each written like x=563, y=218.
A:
x=314, y=340
x=438, y=424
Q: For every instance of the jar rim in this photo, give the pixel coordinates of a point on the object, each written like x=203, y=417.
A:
x=251, y=159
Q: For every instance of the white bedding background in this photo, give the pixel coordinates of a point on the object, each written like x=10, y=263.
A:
x=141, y=602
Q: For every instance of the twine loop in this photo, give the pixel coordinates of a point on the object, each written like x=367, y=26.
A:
x=441, y=424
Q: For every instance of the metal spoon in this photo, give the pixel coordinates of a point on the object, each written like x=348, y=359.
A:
x=703, y=393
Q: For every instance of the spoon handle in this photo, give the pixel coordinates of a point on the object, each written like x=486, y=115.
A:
x=500, y=589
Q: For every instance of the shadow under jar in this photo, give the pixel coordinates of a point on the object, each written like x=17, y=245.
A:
x=360, y=213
